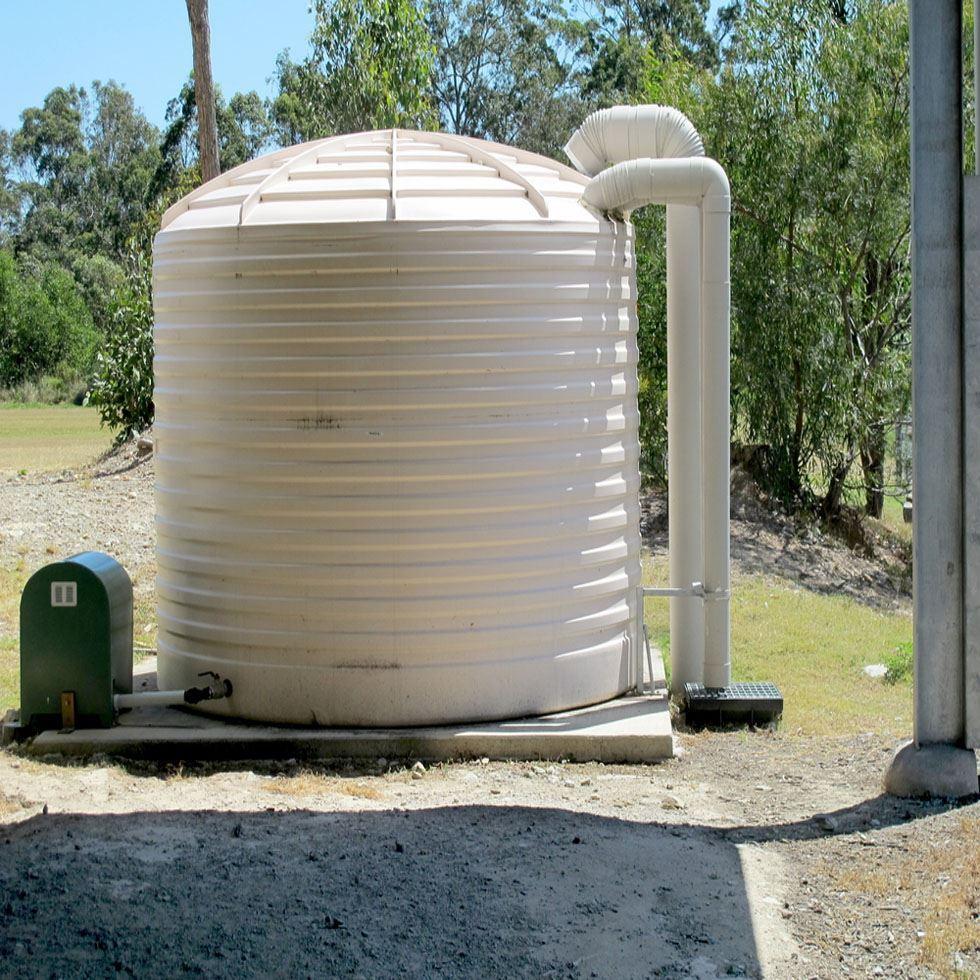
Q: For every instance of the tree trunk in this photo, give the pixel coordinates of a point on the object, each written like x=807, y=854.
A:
x=207, y=127
x=830, y=506
x=873, y=467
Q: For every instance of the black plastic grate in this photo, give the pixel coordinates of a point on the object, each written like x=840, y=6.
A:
x=751, y=702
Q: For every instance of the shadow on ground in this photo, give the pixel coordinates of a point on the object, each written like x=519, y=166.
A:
x=460, y=891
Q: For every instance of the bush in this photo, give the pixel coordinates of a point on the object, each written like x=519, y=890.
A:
x=49, y=389
x=123, y=386
x=45, y=325
x=98, y=278
x=898, y=665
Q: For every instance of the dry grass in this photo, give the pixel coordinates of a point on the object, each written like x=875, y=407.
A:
x=893, y=519
x=11, y=585
x=306, y=784
x=952, y=923
x=10, y=804
x=37, y=439
x=938, y=877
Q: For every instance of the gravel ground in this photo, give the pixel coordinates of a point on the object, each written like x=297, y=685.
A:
x=108, y=507
x=754, y=853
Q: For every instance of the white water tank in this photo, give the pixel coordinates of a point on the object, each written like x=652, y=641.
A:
x=397, y=435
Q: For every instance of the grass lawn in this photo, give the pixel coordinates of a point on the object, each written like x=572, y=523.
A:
x=38, y=438
x=813, y=647
x=11, y=584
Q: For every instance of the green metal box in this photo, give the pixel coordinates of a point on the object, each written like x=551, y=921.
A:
x=76, y=635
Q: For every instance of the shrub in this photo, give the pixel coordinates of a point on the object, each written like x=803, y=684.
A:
x=899, y=664
x=49, y=389
x=45, y=325
x=123, y=386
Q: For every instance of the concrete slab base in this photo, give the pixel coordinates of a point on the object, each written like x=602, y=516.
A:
x=932, y=771
x=628, y=729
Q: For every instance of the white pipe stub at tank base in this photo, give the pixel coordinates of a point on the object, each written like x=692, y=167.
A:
x=639, y=155
x=216, y=690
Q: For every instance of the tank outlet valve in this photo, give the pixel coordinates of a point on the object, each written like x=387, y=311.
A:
x=217, y=688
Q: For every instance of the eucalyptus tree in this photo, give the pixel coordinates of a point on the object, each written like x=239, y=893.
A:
x=243, y=126
x=9, y=191
x=507, y=70
x=369, y=67
x=811, y=120
x=618, y=38
x=85, y=161
x=207, y=126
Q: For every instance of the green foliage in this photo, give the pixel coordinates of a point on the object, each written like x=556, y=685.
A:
x=899, y=664
x=244, y=131
x=505, y=70
x=88, y=162
x=804, y=103
x=45, y=326
x=123, y=386
x=651, y=271
x=49, y=389
x=370, y=68
x=97, y=277
x=810, y=118
x=619, y=37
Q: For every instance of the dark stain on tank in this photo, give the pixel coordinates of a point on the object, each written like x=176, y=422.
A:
x=318, y=421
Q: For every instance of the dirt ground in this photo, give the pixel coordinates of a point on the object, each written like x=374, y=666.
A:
x=765, y=541
x=752, y=854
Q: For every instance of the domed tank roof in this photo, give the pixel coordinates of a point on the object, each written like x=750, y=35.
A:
x=388, y=175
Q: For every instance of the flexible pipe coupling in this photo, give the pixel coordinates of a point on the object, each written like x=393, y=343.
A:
x=631, y=132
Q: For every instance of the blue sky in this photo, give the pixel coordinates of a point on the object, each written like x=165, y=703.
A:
x=143, y=44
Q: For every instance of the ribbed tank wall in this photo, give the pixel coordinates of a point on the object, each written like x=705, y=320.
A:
x=397, y=468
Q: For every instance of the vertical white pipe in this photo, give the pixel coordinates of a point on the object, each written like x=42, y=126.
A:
x=715, y=442
x=685, y=545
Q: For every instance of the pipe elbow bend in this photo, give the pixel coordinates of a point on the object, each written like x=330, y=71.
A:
x=716, y=193
x=698, y=181
x=611, y=136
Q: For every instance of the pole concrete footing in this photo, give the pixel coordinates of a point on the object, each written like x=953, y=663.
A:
x=939, y=770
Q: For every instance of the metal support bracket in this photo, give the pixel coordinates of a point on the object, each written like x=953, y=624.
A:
x=696, y=590
x=67, y=709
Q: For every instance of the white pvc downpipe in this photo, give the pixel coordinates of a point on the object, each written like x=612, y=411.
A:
x=143, y=699
x=654, y=155
x=685, y=541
